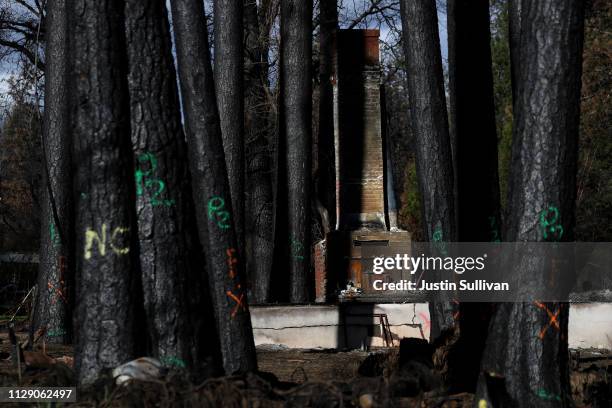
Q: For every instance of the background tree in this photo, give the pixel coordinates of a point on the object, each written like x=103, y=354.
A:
x=211, y=187
x=104, y=230
x=170, y=255
x=326, y=173
x=429, y=121
x=541, y=206
x=259, y=132
x=295, y=145
x=55, y=279
x=229, y=83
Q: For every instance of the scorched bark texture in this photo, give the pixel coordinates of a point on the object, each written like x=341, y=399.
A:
x=55, y=280
x=259, y=194
x=296, y=135
x=211, y=188
x=430, y=124
x=229, y=82
x=523, y=364
x=103, y=189
x=170, y=255
x=472, y=113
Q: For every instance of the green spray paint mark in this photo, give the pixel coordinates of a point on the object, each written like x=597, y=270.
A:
x=158, y=185
x=494, y=229
x=296, y=249
x=173, y=361
x=56, y=333
x=548, y=224
x=217, y=214
x=437, y=239
x=55, y=238
x=544, y=395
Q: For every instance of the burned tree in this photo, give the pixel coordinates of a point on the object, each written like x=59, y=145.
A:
x=430, y=125
x=472, y=115
x=230, y=91
x=259, y=194
x=326, y=173
x=295, y=142
x=211, y=188
x=54, y=296
x=103, y=189
x=526, y=358
x=170, y=259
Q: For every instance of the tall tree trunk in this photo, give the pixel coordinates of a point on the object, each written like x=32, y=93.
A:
x=170, y=260
x=295, y=135
x=259, y=214
x=211, y=187
x=229, y=82
x=530, y=364
x=54, y=298
x=514, y=32
x=102, y=162
x=430, y=124
x=326, y=183
x=473, y=115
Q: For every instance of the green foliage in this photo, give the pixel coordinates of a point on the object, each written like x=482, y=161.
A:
x=594, y=184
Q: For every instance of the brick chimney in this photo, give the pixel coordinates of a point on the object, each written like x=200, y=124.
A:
x=360, y=166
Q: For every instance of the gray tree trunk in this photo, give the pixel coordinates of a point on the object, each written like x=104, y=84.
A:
x=103, y=189
x=525, y=346
x=211, y=188
x=55, y=278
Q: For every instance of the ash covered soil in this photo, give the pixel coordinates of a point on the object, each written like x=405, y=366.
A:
x=297, y=378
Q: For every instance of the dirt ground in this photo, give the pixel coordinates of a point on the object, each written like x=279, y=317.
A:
x=293, y=378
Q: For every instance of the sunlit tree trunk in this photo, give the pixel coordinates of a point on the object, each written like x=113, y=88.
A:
x=525, y=362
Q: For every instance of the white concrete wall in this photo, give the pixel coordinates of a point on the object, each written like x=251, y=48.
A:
x=320, y=326
x=590, y=325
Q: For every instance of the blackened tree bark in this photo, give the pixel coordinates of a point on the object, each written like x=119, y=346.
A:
x=472, y=114
x=102, y=189
x=170, y=259
x=296, y=135
x=211, y=188
x=514, y=31
x=533, y=362
x=229, y=82
x=54, y=297
x=430, y=124
x=259, y=194
x=326, y=183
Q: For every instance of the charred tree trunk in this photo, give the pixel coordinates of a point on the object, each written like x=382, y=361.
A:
x=529, y=364
x=295, y=145
x=259, y=195
x=514, y=31
x=326, y=170
x=430, y=124
x=229, y=84
x=170, y=256
x=54, y=296
x=211, y=188
x=473, y=117
x=102, y=162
